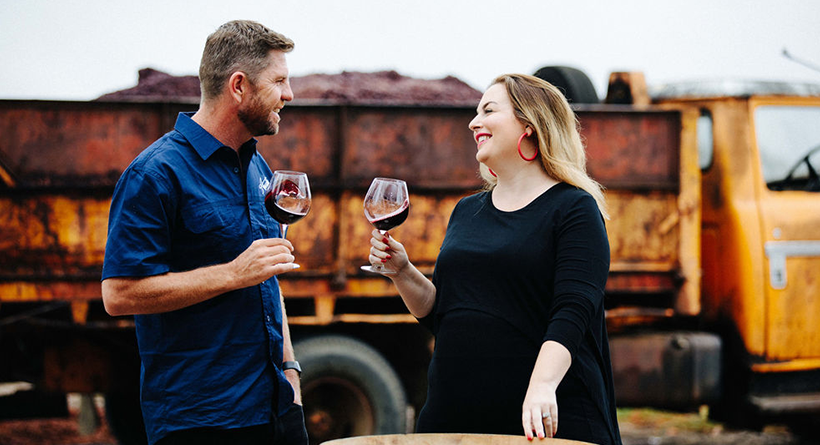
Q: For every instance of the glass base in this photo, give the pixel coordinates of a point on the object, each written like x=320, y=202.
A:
x=378, y=269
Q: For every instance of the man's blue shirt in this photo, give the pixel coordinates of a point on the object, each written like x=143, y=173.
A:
x=182, y=205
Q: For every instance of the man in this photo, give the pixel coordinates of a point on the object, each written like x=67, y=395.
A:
x=193, y=255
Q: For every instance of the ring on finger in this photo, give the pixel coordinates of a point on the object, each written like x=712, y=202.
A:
x=545, y=415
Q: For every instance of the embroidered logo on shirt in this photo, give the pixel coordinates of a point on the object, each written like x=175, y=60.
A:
x=264, y=184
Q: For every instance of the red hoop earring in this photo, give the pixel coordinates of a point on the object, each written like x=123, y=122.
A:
x=522, y=154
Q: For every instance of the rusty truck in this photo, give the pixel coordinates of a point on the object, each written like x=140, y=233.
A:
x=713, y=296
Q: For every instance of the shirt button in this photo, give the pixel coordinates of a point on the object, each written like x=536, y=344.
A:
x=268, y=317
x=236, y=169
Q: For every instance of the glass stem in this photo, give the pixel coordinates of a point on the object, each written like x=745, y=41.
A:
x=284, y=230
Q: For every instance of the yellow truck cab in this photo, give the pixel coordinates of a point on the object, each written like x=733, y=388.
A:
x=759, y=155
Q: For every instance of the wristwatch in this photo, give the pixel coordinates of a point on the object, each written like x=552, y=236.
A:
x=292, y=365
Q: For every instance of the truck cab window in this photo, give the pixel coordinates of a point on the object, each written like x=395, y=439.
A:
x=788, y=138
x=706, y=148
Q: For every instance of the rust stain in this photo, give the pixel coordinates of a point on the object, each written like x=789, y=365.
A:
x=83, y=147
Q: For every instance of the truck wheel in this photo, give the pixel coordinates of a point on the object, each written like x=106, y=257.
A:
x=575, y=85
x=348, y=389
x=124, y=417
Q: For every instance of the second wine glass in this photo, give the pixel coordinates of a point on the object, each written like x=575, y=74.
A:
x=287, y=199
x=386, y=206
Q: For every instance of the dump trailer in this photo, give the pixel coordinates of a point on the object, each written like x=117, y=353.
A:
x=713, y=296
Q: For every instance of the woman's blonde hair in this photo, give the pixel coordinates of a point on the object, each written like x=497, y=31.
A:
x=540, y=105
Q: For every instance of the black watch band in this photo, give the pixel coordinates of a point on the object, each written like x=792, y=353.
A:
x=292, y=365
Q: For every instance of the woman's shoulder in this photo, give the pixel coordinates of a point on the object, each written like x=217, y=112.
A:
x=568, y=195
x=476, y=199
x=469, y=205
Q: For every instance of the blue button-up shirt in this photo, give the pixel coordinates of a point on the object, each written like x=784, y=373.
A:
x=182, y=205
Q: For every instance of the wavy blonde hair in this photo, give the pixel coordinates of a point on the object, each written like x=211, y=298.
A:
x=540, y=105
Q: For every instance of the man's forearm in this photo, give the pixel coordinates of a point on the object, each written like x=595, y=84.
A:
x=171, y=291
x=166, y=292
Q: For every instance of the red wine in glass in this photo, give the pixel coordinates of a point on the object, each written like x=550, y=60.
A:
x=288, y=198
x=386, y=206
x=393, y=220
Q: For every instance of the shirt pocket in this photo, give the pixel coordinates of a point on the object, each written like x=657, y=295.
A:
x=212, y=232
x=208, y=219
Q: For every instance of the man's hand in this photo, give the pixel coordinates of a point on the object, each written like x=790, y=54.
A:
x=262, y=260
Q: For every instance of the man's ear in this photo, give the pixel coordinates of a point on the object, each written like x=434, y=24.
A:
x=238, y=86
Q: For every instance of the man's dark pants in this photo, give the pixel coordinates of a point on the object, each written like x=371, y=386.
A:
x=288, y=429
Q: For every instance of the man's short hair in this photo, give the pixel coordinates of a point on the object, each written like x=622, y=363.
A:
x=239, y=45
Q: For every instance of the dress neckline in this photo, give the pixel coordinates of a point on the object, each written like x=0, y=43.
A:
x=526, y=206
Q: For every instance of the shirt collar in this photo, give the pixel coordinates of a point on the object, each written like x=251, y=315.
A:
x=203, y=142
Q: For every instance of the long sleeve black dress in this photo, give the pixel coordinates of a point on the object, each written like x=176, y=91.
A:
x=505, y=283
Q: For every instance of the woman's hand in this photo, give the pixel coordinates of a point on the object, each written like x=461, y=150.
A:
x=539, y=414
x=387, y=252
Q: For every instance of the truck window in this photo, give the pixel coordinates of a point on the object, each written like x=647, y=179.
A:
x=788, y=138
x=706, y=148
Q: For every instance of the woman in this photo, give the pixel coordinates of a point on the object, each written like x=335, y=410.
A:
x=516, y=300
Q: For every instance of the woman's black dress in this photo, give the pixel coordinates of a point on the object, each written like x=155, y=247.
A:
x=505, y=283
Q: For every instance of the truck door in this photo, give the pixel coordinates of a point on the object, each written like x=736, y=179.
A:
x=787, y=132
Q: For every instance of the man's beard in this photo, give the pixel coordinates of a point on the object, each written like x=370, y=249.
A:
x=257, y=119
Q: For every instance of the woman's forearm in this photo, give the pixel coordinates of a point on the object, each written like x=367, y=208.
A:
x=552, y=364
x=415, y=289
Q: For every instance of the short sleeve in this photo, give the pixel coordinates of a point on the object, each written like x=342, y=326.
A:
x=139, y=226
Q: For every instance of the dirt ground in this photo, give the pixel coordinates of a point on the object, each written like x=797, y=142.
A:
x=638, y=427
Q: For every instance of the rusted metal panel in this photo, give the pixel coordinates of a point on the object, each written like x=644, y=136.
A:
x=634, y=228
x=687, y=302
x=308, y=141
x=633, y=149
x=47, y=237
x=422, y=233
x=315, y=238
x=26, y=288
x=429, y=148
x=53, y=238
x=74, y=144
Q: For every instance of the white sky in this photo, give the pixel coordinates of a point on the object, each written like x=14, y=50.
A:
x=79, y=50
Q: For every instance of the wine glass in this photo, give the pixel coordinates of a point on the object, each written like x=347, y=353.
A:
x=288, y=197
x=386, y=205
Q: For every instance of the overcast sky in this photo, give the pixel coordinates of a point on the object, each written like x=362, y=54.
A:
x=79, y=50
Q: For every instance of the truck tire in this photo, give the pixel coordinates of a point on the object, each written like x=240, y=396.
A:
x=575, y=85
x=124, y=417
x=348, y=389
